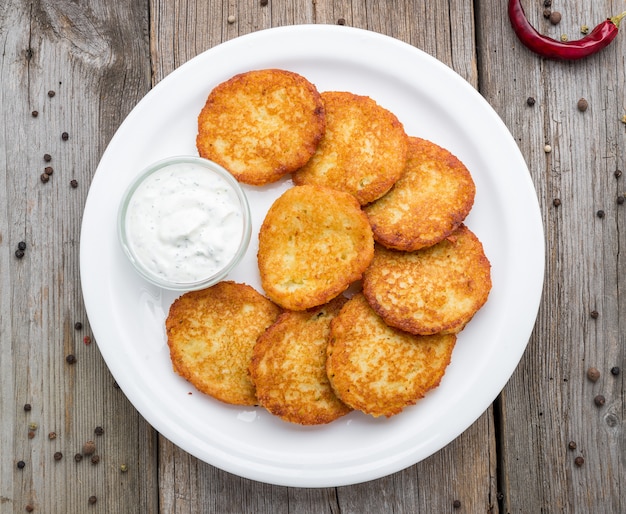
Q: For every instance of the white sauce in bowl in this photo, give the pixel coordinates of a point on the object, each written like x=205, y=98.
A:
x=184, y=223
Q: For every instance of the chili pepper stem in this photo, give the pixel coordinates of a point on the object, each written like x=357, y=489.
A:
x=615, y=20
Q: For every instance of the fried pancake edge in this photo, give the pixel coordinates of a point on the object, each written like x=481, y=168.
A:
x=421, y=301
x=288, y=367
x=378, y=369
x=430, y=200
x=363, y=151
x=261, y=125
x=211, y=334
x=313, y=244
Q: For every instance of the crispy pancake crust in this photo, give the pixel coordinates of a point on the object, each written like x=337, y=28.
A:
x=289, y=367
x=313, y=243
x=363, y=151
x=428, y=203
x=436, y=289
x=211, y=335
x=261, y=125
x=378, y=369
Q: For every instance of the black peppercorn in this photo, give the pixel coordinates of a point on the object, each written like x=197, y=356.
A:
x=49, y=170
x=599, y=400
x=99, y=431
x=263, y=3
x=29, y=508
x=47, y=157
x=593, y=374
x=19, y=253
x=78, y=325
x=92, y=500
x=555, y=17
x=51, y=93
x=615, y=371
x=594, y=314
x=20, y=464
x=65, y=136
x=58, y=456
x=70, y=359
x=547, y=3
x=74, y=183
x=618, y=173
x=579, y=461
x=456, y=504
x=34, y=114
x=44, y=177
x=582, y=105
x=89, y=448
x=95, y=459
x=341, y=21
x=27, y=407
x=600, y=214
x=21, y=245
x=78, y=457
x=621, y=199
x=572, y=445
x=530, y=101
x=556, y=202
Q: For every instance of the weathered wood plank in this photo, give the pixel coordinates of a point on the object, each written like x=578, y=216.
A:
x=465, y=470
x=95, y=58
x=549, y=402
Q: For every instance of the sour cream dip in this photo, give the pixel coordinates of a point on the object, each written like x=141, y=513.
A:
x=184, y=223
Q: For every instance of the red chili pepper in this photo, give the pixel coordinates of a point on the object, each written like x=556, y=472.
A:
x=596, y=40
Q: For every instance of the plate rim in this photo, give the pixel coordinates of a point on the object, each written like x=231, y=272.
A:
x=260, y=472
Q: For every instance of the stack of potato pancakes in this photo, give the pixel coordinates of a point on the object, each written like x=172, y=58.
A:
x=368, y=272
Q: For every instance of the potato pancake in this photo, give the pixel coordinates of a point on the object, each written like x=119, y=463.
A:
x=288, y=367
x=261, y=125
x=313, y=243
x=431, y=199
x=378, y=369
x=436, y=289
x=363, y=151
x=211, y=335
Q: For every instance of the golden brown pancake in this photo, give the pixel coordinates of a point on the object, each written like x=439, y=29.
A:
x=211, y=334
x=289, y=367
x=431, y=199
x=313, y=243
x=378, y=369
x=436, y=289
x=363, y=151
x=261, y=125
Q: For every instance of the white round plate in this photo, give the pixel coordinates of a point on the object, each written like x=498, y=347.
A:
x=127, y=314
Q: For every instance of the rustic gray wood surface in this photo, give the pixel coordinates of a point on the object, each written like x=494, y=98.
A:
x=83, y=66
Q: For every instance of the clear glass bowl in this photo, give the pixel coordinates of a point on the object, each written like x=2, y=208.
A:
x=154, y=260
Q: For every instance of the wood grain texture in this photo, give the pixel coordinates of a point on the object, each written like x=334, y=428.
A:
x=100, y=58
x=549, y=402
x=95, y=58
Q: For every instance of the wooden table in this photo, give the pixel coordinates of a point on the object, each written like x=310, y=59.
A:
x=82, y=66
